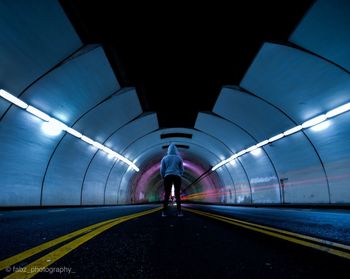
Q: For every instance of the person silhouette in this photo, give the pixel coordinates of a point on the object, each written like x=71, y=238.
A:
x=171, y=170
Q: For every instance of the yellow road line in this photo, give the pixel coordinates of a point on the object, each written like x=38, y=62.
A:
x=40, y=264
x=282, y=234
x=306, y=237
x=35, y=250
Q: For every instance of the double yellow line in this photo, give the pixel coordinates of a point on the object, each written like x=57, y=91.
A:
x=330, y=247
x=79, y=237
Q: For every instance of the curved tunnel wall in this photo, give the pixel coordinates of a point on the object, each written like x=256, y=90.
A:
x=290, y=162
x=284, y=86
x=263, y=182
x=34, y=39
x=312, y=86
x=113, y=113
x=32, y=44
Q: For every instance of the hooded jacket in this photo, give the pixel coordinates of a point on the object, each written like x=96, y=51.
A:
x=171, y=163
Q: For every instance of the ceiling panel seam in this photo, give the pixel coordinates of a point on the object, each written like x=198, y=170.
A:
x=296, y=46
x=110, y=171
x=42, y=76
x=88, y=166
x=61, y=139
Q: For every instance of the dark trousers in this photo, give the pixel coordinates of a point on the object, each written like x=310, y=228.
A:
x=169, y=180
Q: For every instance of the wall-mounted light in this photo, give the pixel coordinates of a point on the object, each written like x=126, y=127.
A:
x=87, y=140
x=320, y=127
x=293, y=130
x=314, y=121
x=338, y=110
x=256, y=152
x=50, y=129
x=317, y=123
x=262, y=143
x=277, y=137
x=74, y=132
x=38, y=113
x=233, y=162
x=58, y=124
x=252, y=148
x=12, y=99
x=54, y=127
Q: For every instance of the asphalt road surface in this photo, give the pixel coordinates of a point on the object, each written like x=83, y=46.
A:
x=192, y=246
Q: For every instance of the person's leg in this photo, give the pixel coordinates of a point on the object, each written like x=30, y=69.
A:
x=177, y=186
x=167, y=190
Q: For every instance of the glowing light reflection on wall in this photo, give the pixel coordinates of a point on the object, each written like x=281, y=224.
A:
x=205, y=184
x=149, y=180
x=146, y=180
x=305, y=183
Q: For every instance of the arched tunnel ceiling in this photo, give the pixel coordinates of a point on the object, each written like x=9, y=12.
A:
x=326, y=33
x=136, y=95
x=28, y=49
x=179, y=57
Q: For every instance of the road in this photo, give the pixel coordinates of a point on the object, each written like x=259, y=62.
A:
x=151, y=246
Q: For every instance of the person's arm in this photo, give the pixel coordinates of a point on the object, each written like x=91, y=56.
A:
x=162, y=168
x=181, y=167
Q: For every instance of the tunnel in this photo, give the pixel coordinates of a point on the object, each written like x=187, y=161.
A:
x=76, y=134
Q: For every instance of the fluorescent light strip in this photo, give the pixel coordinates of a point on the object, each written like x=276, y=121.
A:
x=338, y=110
x=13, y=99
x=221, y=164
x=277, y=137
x=38, y=113
x=87, y=140
x=293, y=130
x=74, y=132
x=58, y=124
x=307, y=124
x=43, y=116
x=244, y=151
x=260, y=144
x=107, y=150
x=97, y=145
x=314, y=121
x=251, y=148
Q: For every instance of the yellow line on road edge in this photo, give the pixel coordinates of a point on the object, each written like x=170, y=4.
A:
x=35, y=250
x=306, y=237
x=286, y=235
x=40, y=264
